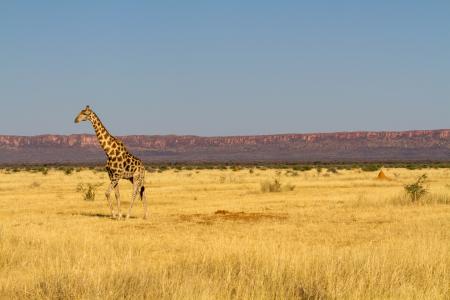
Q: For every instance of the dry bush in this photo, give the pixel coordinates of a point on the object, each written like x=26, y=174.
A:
x=271, y=187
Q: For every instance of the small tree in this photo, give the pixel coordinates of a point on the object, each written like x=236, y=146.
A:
x=319, y=170
x=416, y=189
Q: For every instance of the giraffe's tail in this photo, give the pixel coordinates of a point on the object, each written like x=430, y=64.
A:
x=141, y=192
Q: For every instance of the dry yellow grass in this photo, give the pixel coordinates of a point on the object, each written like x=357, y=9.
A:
x=215, y=235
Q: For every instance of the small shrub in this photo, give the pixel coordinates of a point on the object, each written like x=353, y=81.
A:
x=416, y=189
x=271, y=187
x=319, y=170
x=91, y=167
x=332, y=169
x=68, y=171
x=307, y=168
x=302, y=168
x=189, y=168
x=291, y=173
x=88, y=191
x=15, y=170
x=290, y=187
x=35, y=184
x=370, y=168
x=250, y=171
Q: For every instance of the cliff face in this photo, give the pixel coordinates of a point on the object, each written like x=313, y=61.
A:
x=348, y=145
x=407, y=139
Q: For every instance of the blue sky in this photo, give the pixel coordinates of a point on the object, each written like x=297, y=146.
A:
x=220, y=68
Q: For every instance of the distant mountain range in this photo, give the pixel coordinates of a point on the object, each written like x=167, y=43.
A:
x=339, y=146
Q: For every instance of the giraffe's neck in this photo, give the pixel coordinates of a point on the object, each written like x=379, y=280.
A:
x=104, y=138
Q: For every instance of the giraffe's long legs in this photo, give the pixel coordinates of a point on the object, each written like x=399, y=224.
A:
x=116, y=190
x=136, y=186
x=143, y=200
x=108, y=193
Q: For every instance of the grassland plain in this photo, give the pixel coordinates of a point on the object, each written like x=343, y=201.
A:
x=214, y=234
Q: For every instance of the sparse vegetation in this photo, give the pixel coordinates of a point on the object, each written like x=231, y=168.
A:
x=271, y=187
x=332, y=170
x=319, y=170
x=347, y=237
x=68, y=171
x=416, y=189
x=88, y=190
x=370, y=168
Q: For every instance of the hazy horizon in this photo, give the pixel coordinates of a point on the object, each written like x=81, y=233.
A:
x=93, y=133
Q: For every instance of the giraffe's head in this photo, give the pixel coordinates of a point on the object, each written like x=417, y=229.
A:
x=84, y=115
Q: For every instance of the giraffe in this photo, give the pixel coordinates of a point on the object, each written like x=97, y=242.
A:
x=120, y=164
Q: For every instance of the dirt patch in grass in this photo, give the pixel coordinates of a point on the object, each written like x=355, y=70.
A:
x=224, y=215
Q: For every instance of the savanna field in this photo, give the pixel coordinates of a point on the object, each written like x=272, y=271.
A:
x=225, y=234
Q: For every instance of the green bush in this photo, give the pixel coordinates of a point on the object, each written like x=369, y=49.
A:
x=332, y=169
x=189, y=168
x=302, y=168
x=88, y=191
x=68, y=171
x=370, y=168
x=318, y=169
x=416, y=189
x=44, y=171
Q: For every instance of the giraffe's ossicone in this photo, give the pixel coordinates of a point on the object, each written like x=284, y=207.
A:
x=120, y=164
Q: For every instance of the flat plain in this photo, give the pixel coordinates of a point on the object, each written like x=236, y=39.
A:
x=215, y=234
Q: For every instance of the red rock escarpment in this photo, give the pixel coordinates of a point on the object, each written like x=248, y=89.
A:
x=403, y=139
